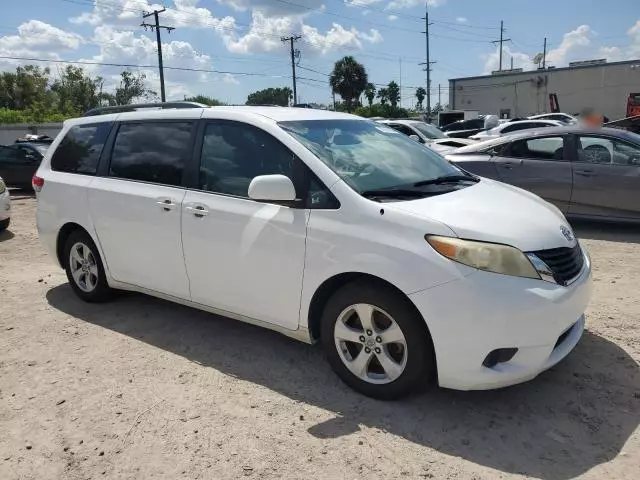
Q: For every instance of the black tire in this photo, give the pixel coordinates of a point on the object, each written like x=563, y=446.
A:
x=420, y=368
x=102, y=292
x=4, y=224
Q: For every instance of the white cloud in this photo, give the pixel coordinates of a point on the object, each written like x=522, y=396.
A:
x=572, y=46
x=462, y=19
x=352, y=3
x=392, y=18
x=275, y=7
x=38, y=36
x=520, y=60
x=338, y=37
x=397, y=4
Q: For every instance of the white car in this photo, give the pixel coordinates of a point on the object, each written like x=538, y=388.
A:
x=560, y=117
x=511, y=127
x=322, y=226
x=5, y=206
x=430, y=135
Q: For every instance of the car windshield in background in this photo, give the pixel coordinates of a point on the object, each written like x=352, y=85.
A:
x=370, y=156
x=428, y=131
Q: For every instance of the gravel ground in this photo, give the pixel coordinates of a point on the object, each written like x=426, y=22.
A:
x=141, y=388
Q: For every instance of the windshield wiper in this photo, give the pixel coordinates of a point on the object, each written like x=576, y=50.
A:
x=447, y=179
x=394, y=193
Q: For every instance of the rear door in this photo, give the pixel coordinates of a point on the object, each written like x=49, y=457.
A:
x=606, y=178
x=136, y=204
x=538, y=165
x=16, y=166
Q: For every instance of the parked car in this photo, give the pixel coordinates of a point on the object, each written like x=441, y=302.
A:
x=560, y=117
x=511, y=127
x=427, y=134
x=19, y=162
x=322, y=226
x=5, y=206
x=589, y=173
x=464, y=128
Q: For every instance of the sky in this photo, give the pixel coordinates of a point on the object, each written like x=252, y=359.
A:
x=234, y=47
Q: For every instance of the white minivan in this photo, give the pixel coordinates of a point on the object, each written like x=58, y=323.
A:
x=325, y=227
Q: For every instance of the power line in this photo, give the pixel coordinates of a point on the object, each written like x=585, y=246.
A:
x=157, y=26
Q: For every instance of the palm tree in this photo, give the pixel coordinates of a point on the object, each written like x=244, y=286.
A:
x=383, y=95
x=393, y=93
x=370, y=93
x=349, y=80
x=421, y=93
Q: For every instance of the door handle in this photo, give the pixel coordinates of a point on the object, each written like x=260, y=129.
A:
x=167, y=204
x=584, y=173
x=197, y=210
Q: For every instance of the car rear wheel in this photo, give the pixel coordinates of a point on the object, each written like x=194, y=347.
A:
x=84, y=268
x=376, y=341
x=4, y=224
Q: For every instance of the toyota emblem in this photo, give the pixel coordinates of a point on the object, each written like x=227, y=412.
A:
x=566, y=231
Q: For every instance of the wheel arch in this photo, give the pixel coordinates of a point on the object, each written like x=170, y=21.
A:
x=64, y=232
x=334, y=283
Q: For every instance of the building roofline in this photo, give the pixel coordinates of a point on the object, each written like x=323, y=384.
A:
x=548, y=70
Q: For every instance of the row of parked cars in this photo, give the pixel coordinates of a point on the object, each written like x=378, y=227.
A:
x=409, y=269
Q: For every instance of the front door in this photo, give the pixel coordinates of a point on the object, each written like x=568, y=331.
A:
x=137, y=206
x=538, y=165
x=242, y=256
x=606, y=178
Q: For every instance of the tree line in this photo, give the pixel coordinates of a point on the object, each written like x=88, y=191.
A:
x=34, y=94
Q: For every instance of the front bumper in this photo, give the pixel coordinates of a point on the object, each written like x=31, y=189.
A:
x=470, y=317
x=5, y=205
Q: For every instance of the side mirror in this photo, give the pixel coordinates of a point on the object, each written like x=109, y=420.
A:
x=415, y=137
x=272, y=188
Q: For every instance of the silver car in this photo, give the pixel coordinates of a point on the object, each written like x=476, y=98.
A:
x=588, y=173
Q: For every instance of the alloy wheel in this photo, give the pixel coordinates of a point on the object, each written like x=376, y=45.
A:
x=83, y=266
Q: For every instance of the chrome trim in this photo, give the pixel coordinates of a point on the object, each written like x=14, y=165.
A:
x=542, y=268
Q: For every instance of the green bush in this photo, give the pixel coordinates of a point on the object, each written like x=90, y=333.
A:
x=379, y=110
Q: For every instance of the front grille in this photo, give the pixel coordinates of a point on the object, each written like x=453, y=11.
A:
x=565, y=263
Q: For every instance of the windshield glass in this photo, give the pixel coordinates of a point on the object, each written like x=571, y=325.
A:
x=367, y=155
x=428, y=131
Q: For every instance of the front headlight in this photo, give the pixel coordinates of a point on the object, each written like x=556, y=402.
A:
x=3, y=187
x=491, y=257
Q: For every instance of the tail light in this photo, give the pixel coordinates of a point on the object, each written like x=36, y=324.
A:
x=37, y=183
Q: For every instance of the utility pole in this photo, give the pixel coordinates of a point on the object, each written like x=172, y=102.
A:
x=400, y=63
x=544, y=54
x=157, y=26
x=291, y=39
x=439, y=96
x=501, y=41
x=428, y=63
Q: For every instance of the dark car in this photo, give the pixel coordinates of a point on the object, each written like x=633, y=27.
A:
x=589, y=173
x=464, y=128
x=19, y=162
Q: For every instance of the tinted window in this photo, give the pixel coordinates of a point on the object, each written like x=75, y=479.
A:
x=549, y=148
x=402, y=128
x=234, y=153
x=80, y=149
x=151, y=152
x=519, y=126
x=607, y=150
x=12, y=155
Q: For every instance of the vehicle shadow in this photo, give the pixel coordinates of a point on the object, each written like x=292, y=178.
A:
x=21, y=193
x=612, y=232
x=6, y=235
x=568, y=420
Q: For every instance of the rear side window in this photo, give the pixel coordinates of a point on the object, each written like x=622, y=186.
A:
x=152, y=151
x=80, y=149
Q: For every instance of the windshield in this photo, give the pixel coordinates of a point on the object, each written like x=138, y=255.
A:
x=428, y=131
x=367, y=155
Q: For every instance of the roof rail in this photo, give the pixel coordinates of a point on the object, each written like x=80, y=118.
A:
x=140, y=106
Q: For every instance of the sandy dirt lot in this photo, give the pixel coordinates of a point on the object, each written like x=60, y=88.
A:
x=140, y=388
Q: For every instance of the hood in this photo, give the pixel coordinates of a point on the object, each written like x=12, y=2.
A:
x=491, y=211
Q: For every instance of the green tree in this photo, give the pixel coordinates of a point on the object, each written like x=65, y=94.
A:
x=271, y=96
x=212, y=102
x=421, y=93
x=437, y=108
x=27, y=87
x=76, y=92
x=370, y=93
x=132, y=87
x=393, y=93
x=349, y=80
x=383, y=95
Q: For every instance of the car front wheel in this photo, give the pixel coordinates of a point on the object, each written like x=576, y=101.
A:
x=376, y=341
